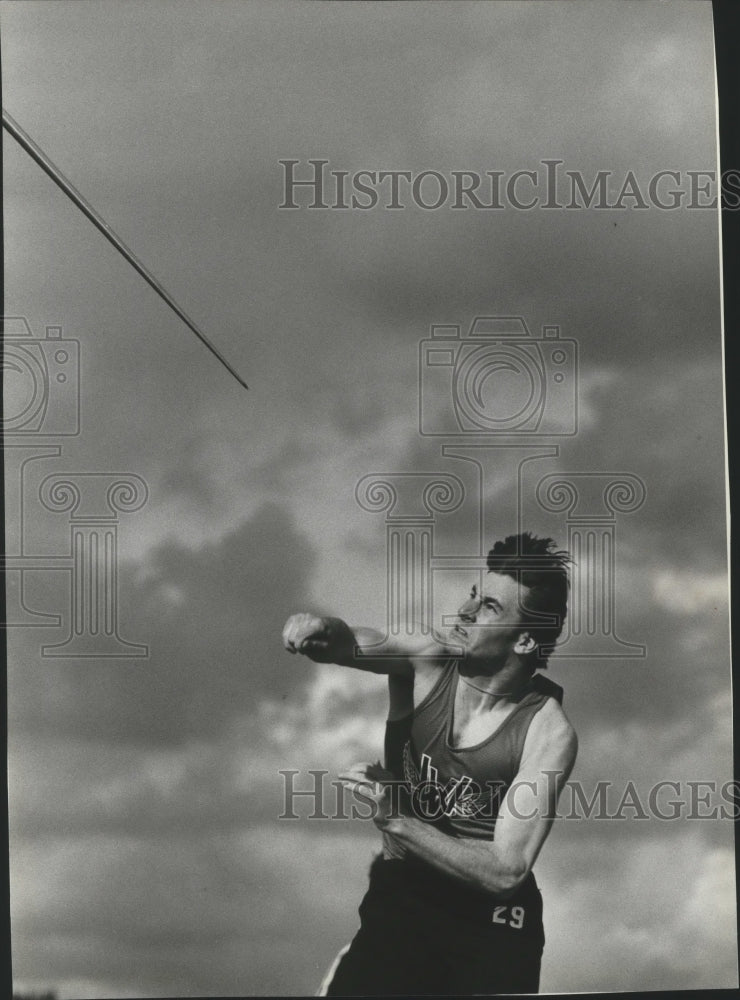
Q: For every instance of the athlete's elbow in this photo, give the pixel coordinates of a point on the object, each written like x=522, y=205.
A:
x=513, y=880
x=505, y=880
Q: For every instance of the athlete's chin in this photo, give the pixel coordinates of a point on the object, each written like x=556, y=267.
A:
x=479, y=660
x=469, y=656
x=458, y=641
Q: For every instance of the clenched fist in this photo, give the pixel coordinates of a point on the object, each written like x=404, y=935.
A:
x=323, y=640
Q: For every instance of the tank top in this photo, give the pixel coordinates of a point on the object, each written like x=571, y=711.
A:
x=460, y=789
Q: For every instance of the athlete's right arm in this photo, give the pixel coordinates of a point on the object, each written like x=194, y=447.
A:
x=331, y=640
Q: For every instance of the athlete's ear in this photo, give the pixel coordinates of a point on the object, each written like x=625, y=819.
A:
x=525, y=644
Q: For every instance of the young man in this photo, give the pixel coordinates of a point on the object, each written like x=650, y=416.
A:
x=484, y=748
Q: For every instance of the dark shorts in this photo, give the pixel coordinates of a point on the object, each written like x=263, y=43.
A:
x=422, y=933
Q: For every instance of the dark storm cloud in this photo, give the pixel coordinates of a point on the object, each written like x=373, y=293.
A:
x=212, y=618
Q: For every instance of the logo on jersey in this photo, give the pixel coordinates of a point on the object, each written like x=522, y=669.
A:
x=457, y=797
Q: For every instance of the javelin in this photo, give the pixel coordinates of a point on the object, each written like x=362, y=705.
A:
x=36, y=153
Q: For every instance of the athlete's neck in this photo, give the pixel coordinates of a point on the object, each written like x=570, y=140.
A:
x=509, y=681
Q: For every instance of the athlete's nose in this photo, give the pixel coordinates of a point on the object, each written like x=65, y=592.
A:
x=469, y=610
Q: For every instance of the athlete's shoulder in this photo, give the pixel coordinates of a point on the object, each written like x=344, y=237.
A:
x=429, y=673
x=432, y=656
x=551, y=734
x=543, y=685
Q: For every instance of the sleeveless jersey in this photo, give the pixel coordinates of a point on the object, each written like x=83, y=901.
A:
x=460, y=789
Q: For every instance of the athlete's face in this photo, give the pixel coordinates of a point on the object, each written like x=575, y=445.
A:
x=489, y=625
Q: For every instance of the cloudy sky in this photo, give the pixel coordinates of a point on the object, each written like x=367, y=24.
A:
x=146, y=854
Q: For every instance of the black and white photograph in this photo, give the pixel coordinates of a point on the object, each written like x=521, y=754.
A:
x=366, y=499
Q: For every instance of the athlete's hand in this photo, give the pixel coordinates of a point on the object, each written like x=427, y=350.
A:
x=370, y=782
x=373, y=777
x=323, y=640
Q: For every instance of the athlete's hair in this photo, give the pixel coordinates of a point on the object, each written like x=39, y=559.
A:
x=542, y=568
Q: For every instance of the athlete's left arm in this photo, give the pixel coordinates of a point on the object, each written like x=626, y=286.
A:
x=524, y=820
